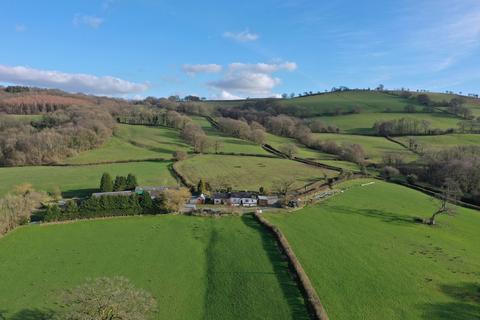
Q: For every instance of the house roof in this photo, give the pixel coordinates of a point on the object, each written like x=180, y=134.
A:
x=220, y=195
x=267, y=198
x=149, y=189
x=242, y=195
x=114, y=193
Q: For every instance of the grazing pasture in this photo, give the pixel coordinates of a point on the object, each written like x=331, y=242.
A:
x=134, y=142
x=367, y=101
x=362, y=123
x=247, y=173
x=443, y=141
x=228, y=144
x=196, y=268
x=82, y=180
x=367, y=259
x=375, y=147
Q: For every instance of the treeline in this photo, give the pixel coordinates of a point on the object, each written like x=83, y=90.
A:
x=256, y=109
x=254, y=131
x=299, y=129
x=404, y=126
x=55, y=136
x=455, y=106
x=121, y=183
x=469, y=126
x=461, y=164
x=170, y=200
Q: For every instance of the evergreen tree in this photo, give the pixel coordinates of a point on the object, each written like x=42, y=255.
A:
x=146, y=203
x=53, y=213
x=131, y=181
x=120, y=183
x=106, y=183
x=201, y=187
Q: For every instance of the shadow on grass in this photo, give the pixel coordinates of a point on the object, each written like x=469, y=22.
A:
x=383, y=216
x=29, y=314
x=466, y=307
x=290, y=289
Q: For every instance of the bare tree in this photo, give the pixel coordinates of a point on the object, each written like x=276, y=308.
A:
x=107, y=298
x=289, y=149
x=446, y=200
x=284, y=185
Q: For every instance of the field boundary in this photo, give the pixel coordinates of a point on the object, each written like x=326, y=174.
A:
x=311, y=296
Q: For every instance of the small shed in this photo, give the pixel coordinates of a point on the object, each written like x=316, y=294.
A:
x=266, y=201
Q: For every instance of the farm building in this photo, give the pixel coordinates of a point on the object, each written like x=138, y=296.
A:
x=265, y=201
x=114, y=193
x=197, y=199
x=220, y=198
x=245, y=199
x=154, y=191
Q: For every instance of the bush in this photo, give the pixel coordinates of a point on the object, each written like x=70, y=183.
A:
x=412, y=178
x=389, y=172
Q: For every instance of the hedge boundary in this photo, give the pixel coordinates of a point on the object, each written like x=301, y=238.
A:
x=313, y=301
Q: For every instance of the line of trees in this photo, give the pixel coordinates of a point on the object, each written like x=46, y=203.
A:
x=54, y=137
x=254, y=131
x=403, y=126
x=169, y=201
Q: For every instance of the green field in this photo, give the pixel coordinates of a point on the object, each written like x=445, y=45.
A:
x=21, y=117
x=228, y=144
x=362, y=123
x=133, y=142
x=82, y=180
x=368, y=260
x=368, y=101
x=196, y=268
x=443, y=141
x=375, y=147
x=247, y=173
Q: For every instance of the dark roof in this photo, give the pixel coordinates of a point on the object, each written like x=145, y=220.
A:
x=220, y=195
x=242, y=195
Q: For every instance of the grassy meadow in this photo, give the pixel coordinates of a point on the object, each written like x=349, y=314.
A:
x=228, y=144
x=247, y=173
x=443, y=141
x=196, y=268
x=374, y=147
x=367, y=259
x=362, y=123
x=368, y=101
x=133, y=142
x=82, y=180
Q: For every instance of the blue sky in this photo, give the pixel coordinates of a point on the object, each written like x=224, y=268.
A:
x=227, y=49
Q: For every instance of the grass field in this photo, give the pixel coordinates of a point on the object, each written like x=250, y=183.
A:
x=375, y=147
x=131, y=142
x=196, y=268
x=443, y=141
x=247, y=173
x=368, y=260
x=21, y=117
x=82, y=180
x=228, y=144
x=362, y=123
x=368, y=101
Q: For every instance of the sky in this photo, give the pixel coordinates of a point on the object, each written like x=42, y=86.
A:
x=238, y=49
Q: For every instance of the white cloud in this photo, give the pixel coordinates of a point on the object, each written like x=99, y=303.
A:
x=20, y=28
x=87, y=20
x=244, y=36
x=225, y=95
x=250, y=80
x=193, y=69
x=263, y=67
x=73, y=82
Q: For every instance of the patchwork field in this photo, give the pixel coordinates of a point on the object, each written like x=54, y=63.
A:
x=375, y=147
x=368, y=260
x=82, y=180
x=132, y=142
x=228, y=144
x=196, y=268
x=443, y=141
x=247, y=173
x=368, y=101
x=363, y=123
